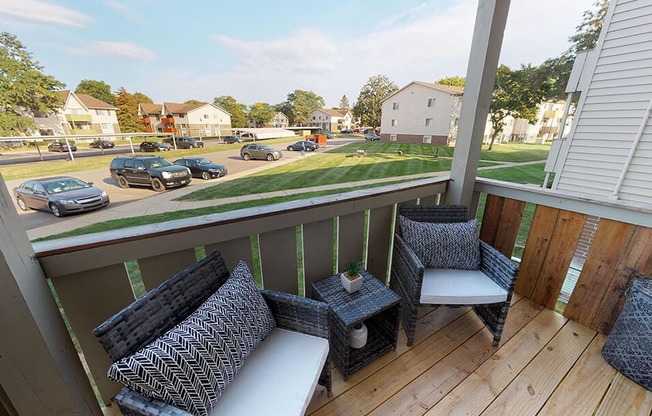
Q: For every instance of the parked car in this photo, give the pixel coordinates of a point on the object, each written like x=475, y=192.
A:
x=184, y=142
x=232, y=139
x=259, y=151
x=102, y=144
x=346, y=131
x=303, y=145
x=154, y=147
x=202, y=168
x=371, y=137
x=154, y=171
x=61, y=147
x=60, y=195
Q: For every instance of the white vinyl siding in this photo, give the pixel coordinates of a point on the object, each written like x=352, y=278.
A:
x=612, y=109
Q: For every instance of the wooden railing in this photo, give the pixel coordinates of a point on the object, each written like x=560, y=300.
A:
x=294, y=244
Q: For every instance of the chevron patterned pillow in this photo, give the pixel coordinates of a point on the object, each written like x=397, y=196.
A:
x=443, y=245
x=191, y=365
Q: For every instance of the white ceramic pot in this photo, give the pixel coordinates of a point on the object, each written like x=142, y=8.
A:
x=351, y=285
x=358, y=336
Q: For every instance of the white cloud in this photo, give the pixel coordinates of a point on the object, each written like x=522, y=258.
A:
x=106, y=49
x=124, y=9
x=41, y=12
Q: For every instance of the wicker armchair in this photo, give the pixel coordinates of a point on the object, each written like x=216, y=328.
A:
x=407, y=273
x=175, y=299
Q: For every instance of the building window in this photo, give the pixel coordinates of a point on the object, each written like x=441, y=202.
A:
x=184, y=125
x=106, y=126
x=102, y=112
x=427, y=139
x=394, y=122
x=392, y=137
x=431, y=102
x=394, y=106
x=428, y=122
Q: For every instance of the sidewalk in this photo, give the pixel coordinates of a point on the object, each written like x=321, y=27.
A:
x=163, y=202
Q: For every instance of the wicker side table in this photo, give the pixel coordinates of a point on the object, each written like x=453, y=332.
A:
x=374, y=304
x=629, y=345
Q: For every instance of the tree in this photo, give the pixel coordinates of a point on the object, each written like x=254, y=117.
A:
x=193, y=102
x=344, y=103
x=585, y=38
x=261, y=114
x=233, y=107
x=518, y=94
x=24, y=89
x=455, y=81
x=98, y=89
x=127, y=112
x=368, y=106
x=142, y=98
x=302, y=104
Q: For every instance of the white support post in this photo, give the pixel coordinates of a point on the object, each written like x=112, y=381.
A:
x=40, y=371
x=487, y=40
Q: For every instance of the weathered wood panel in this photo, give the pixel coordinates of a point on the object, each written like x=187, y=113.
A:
x=351, y=239
x=625, y=397
x=318, y=246
x=609, y=246
x=280, y=245
x=380, y=225
x=157, y=269
x=567, y=232
x=541, y=232
x=491, y=218
x=635, y=262
x=89, y=298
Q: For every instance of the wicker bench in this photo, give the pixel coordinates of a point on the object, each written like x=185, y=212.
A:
x=279, y=377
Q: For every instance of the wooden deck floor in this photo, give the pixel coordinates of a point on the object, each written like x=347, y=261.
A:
x=545, y=365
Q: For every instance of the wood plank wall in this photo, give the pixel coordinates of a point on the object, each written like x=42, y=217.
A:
x=620, y=253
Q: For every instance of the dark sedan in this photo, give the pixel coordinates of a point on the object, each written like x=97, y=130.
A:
x=202, y=168
x=371, y=137
x=61, y=195
x=154, y=147
x=102, y=144
x=61, y=147
x=303, y=145
x=232, y=139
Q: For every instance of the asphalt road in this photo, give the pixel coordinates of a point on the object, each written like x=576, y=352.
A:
x=102, y=179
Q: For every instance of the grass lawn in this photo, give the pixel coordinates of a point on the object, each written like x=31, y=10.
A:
x=336, y=166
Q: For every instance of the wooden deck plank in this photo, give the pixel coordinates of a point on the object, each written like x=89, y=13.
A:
x=574, y=395
x=375, y=389
x=479, y=390
x=491, y=218
x=626, y=398
x=426, y=390
x=536, y=383
x=510, y=222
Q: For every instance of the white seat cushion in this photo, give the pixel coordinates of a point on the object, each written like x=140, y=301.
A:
x=278, y=378
x=459, y=287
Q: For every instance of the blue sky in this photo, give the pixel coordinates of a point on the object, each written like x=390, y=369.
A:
x=259, y=51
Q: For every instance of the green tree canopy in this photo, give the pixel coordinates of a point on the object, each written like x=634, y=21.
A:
x=24, y=89
x=98, y=89
x=301, y=104
x=261, y=114
x=142, y=98
x=368, y=106
x=193, y=102
x=585, y=38
x=344, y=103
x=127, y=112
x=455, y=81
x=518, y=94
x=233, y=107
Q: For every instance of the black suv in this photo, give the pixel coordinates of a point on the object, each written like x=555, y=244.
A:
x=153, y=171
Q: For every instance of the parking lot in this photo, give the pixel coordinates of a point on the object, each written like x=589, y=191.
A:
x=120, y=196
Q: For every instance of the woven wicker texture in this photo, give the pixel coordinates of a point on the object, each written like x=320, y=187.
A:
x=407, y=271
x=375, y=304
x=629, y=346
x=172, y=301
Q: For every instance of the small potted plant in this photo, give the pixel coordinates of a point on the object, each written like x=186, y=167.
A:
x=352, y=278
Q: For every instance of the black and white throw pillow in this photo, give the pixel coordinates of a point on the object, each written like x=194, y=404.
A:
x=191, y=365
x=443, y=245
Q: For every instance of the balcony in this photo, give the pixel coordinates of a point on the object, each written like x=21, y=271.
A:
x=169, y=129
x=452, y=364
x=167, y=120
x=145, y=120
x=79, y=118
